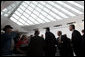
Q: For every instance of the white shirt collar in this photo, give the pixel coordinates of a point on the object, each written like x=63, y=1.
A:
x=72, y=30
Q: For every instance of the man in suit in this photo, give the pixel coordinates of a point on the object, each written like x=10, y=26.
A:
x=64, y=45
x=76, y=40
x=83, y=43
x=50, y=43
x=36, y=45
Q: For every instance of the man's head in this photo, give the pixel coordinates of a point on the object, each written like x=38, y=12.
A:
x=83, y=31
x=72, y=27
x=8, y=28
x=47, y=29
x=37, y=32
x=59, y=33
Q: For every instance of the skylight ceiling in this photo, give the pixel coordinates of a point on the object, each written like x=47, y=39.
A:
x=37, y=12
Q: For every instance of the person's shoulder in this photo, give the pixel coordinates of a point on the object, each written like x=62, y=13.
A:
x=76, y=31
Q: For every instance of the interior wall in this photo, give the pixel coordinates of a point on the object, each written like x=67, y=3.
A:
x=65, y=30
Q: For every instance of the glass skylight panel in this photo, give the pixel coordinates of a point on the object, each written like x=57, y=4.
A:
x=36, y=18
x=33, y=20
x=21, y=20
x=40, y=6
x=28, y=21
x=38, y=9
x=64, y=10
x=25, y=4
x=33, y=6
x=59, y=13
x=22, y=7
x=44, y=18
x=35, y=12
x=25, y=19
x=67, y=6
x=74, y=3
x=45, y=13
x=42, y=2
x=40, y=20
x=57, y=17
x=51, y=18
x=21, y=11
x=19, y=14
x=48, y=6
x=14, y=15
x=32, y=12
x=30, y=8
x=34, y=2
x=25, y=14
x=14, y=20
x=50, y=9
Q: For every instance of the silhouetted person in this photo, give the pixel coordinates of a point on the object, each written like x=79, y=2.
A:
x=42, y=36
x=76, y=40
x=64, y=45
x=6, y=41
x=83, y=43
x=36, y=46
x=67, y=45
x=50, y=43
x=31, y=36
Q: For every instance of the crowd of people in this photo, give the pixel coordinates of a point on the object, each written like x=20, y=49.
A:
x=12, y=42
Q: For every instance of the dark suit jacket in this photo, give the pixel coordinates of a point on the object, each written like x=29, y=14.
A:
x=76, y=39
x=66, y=43
x=65, y=47
x=50, y=39
x=36, y=46
x=83, y=43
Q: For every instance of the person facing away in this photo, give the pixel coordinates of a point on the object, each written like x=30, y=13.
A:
x=64, y=45
x=50, y=43
x=36, y=45
x=6, y=41
x=76, y=40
